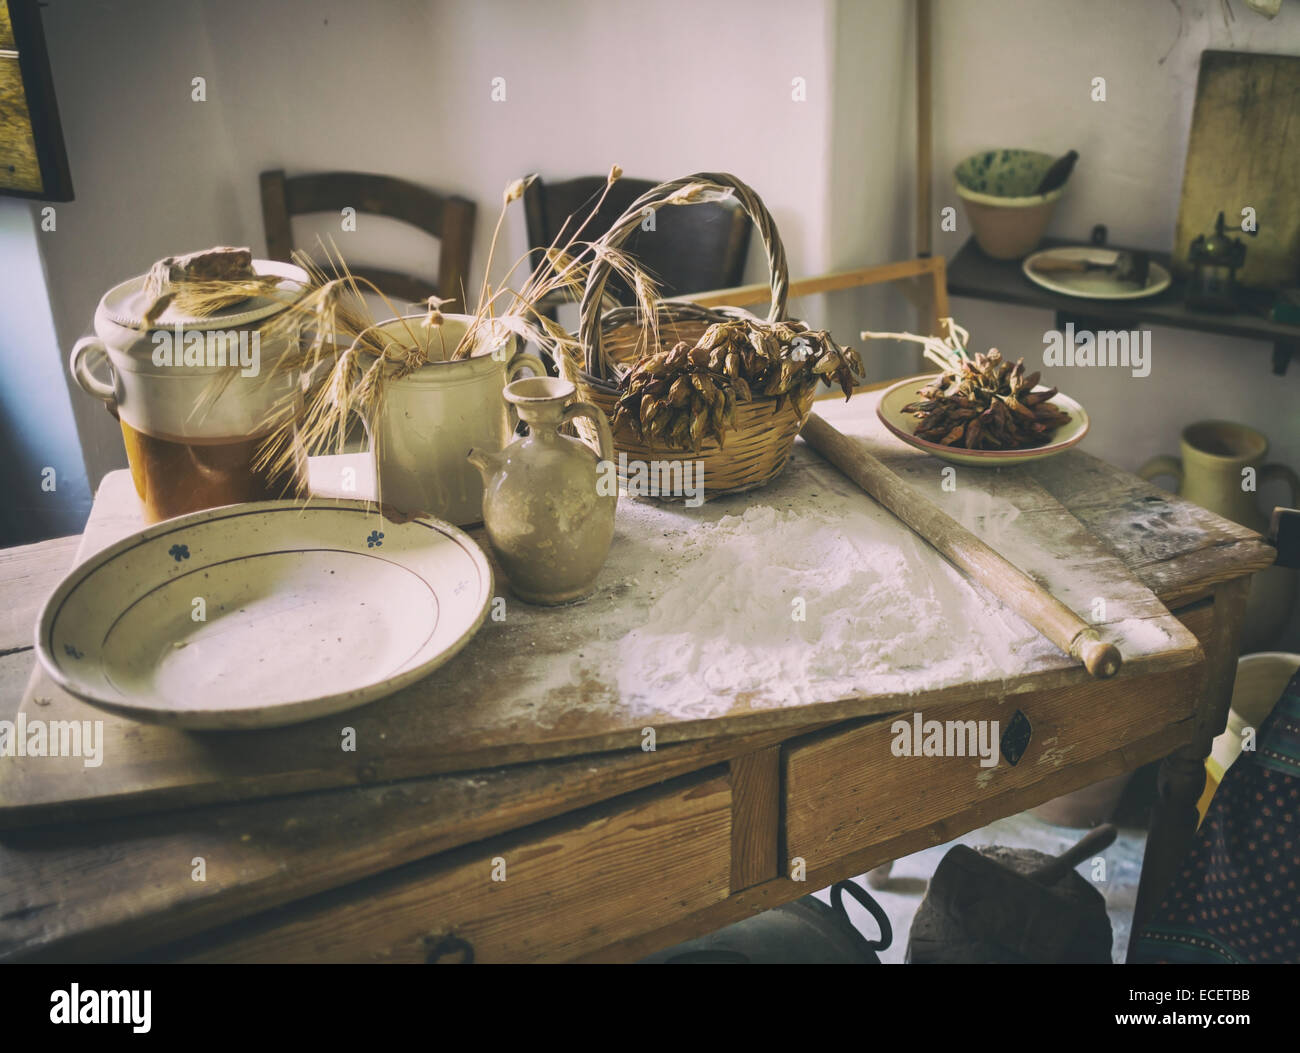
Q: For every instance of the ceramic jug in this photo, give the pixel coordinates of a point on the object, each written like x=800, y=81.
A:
x=1213, y=473
x=428, y=419
x=547, y=507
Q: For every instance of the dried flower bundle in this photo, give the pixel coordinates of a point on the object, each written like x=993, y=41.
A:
x=980, y=403
x=680, y=397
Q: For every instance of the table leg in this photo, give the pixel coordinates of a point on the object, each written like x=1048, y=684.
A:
x=1182, y=773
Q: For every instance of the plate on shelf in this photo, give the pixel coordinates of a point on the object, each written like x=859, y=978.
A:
x=903, y=425
x=263, y=614
x=1092, y=285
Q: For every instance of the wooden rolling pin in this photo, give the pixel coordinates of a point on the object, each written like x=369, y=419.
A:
x=965, y=551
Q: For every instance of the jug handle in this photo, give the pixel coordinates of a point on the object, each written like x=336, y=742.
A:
x=90, y=384
x=1282, y=474
x=597, y=416
x=1159, y=466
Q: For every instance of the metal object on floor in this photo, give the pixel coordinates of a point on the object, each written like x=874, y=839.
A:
x=805, y=932
x=1013, y=905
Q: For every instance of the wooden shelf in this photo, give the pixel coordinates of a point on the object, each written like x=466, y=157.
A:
x=973, y=274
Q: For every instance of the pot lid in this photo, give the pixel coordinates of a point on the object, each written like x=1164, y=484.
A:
x=125, y=304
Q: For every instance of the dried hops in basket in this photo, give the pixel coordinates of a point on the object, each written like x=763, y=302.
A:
x=982, y=402
x=678, y=398
x=630, y=359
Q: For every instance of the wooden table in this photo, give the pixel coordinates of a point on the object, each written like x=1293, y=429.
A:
x=615, y=855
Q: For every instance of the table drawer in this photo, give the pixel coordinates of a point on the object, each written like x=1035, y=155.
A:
x=847, y=791
x=572, y=886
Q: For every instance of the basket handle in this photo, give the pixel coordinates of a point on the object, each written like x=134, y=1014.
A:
x=589, y=325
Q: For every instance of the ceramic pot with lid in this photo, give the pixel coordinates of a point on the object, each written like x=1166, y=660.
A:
x=195, y=396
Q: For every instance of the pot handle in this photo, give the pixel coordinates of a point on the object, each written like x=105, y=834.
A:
x=1280, y=473
x=91, y=384
x=1164, y=465
x=598, y=418
x=865, y=899
x=522, y=359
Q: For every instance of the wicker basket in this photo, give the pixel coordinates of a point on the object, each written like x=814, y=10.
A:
x=759, y=443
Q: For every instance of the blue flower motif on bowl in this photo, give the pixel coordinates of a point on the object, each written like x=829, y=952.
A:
x=179, y=552
x=375, y=539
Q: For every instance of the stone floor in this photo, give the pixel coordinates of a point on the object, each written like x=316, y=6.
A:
x=902, y=895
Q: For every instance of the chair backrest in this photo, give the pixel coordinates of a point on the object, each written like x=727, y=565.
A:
x=448, y=218
x=692, y=248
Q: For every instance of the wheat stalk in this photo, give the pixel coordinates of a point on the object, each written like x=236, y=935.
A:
x=345, y=336
x=948, y=353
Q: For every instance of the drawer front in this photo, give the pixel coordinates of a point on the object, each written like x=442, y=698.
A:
x=570, y=887
x=849, y=791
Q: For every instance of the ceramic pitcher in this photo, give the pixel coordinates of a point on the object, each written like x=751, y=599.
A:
x=428, y=419
x=1222, y=468
x=549, y=514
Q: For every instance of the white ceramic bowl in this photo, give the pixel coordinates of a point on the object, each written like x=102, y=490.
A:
x=263, y=614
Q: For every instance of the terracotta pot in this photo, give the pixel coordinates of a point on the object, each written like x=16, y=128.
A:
x=195, y=397
x=997, y=190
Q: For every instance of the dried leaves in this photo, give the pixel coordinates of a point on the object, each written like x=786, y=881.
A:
x=985, y=403
x=678, y=398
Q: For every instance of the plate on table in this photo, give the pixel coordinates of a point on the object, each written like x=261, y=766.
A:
x=263, y=614
x=903, y=425
x=1093, y=285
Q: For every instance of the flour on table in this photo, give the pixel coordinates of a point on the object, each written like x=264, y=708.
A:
x=1137, y=635
x=881, y=613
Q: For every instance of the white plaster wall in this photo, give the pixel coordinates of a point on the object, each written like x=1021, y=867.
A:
x=42, y=477
x=1019, y=73
x=871, y=179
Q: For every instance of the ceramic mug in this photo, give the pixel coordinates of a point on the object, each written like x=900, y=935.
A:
x=193, y=431
x=430, y=419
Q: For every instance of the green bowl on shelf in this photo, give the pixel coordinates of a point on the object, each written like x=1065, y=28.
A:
x=997, y=188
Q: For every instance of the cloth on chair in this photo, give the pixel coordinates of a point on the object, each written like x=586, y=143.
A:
x=1236, y=899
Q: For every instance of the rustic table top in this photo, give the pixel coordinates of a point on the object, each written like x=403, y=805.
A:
x=799, y=604
x=125, y=882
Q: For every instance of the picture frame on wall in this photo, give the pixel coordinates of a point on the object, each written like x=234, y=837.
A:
x=33, y=162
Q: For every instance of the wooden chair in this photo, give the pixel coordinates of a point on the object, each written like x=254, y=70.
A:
x=450, y=219
x=690, y=249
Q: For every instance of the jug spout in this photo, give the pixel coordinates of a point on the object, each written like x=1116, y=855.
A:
x=486, y=462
